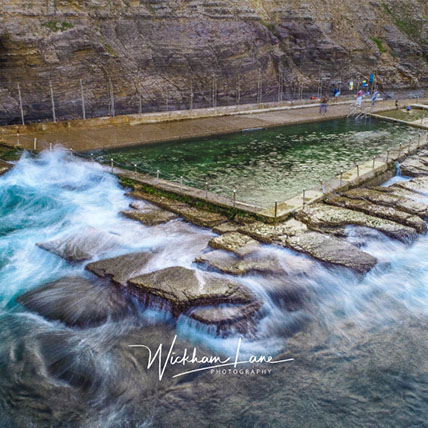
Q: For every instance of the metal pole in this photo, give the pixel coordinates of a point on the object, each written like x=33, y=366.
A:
x=92, y=157
x=234, y=198
x=20, y=105
x=259, y=89
x=50, y=147
x=52, y=101
x=83, y=100
x=113, y=111
x=214, y=91
x=111, y=163
x=157, y=175
x=276, y=209
x=191, y=94
x=35, y=144
x=181, y=183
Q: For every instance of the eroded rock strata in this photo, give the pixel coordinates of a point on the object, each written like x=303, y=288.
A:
x=157, y=51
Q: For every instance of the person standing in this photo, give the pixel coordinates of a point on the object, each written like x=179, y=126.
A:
x=359, y=98
x=336, y=93
x=323, y=105
x=374, y=97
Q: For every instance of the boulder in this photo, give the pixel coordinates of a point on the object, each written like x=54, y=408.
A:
x=235, y=242
x=388, y=213
x=322, y=217
x=120, y=269
x=76, y=301
x=83, y=245
x=150, y=217
x=329, y=249
x=228, y=263
x=240, y=318
x=179, y=289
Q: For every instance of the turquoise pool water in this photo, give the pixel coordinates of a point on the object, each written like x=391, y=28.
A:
x=267, y=165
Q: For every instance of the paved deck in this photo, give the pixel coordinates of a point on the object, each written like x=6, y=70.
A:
x=135, y=130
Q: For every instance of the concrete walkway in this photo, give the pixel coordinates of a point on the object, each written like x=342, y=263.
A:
x=125, y=131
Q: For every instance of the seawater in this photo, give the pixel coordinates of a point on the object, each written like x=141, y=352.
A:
x=359, y=343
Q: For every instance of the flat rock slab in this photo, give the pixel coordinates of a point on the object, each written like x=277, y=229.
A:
x=182, y=288
x=235, y=242
x=228, y=263
x=151, y=217
x=83, y=245
x=5, y=167
x=323, y=217
x=194, y=215
x=418, y=185
x=389, y=197
x=413, y=167
x=120, y=269
x=226, y=227
x=269, y=233
x=329, y=249
x=240, y=317
x=388, y=213
x=76, y=302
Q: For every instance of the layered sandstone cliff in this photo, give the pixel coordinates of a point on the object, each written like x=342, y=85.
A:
x=155, y=51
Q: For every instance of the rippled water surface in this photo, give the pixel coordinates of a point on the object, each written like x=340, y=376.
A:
x=359, y=343
x=268, y=165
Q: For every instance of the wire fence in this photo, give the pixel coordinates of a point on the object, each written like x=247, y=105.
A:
x=45, y=100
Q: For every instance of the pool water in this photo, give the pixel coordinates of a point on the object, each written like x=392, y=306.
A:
x=408, y=116
x=267, y=165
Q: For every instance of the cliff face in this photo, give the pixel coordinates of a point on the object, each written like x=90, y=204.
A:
x=155, y=51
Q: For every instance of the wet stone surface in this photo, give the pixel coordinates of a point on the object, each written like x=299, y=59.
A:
x=325, y=218
x=76, y=301
x=120, y=269
x=388, y=213
x=82, y=245
x=180, y=289
x=332, y=250
x=228, y=263
x=235, y=242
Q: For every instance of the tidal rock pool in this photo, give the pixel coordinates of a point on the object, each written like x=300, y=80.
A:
x=74, y=340
x=268, y=165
